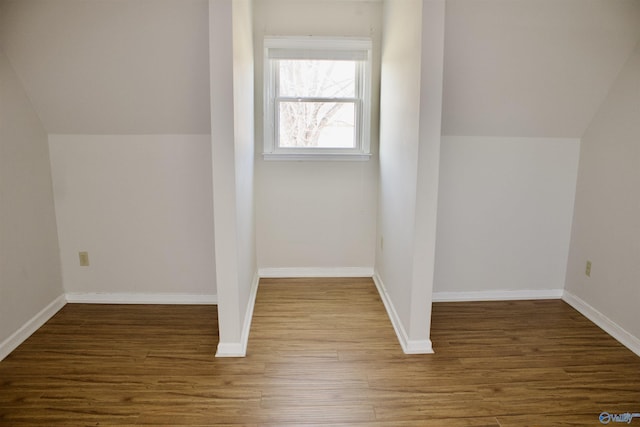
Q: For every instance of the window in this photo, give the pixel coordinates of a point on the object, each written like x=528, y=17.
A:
x=317, y=98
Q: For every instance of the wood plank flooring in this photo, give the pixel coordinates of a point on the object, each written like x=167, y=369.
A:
x=321, y=352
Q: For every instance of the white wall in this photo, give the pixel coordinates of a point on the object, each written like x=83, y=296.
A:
x=522, y=81
x=243, y=92
x=231, y=81
x=112, y=67
x=411, y=95
x=399, y=130
x=532, y=68
x=141, y=205
x=606, y=225
x=431, y=94
x=504, y=216
x=30, y=279
x=316, y=216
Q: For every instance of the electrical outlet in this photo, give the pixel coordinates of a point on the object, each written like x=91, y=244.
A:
x=587, y=271
x=84, y=259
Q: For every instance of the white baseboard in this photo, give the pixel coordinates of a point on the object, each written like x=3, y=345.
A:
x=408, y=346
x=230, y=349
x=19, y=336
x=295, y=272
x=141, y=298
x=240, y=349
x=609, y=326
x=497, y=295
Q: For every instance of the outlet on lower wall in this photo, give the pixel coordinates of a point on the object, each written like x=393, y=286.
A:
x=84, y=259
x=587, y=270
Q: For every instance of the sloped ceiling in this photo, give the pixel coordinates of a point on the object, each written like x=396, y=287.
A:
x=112, y=66
x=527, y=68
x=532, y=68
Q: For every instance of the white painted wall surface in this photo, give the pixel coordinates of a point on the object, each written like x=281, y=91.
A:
x=316, y=216
x=399, y=137
x=424, y=249
x=504, y=215
x=112, y=67
x=141, y=205
x=30, y=276
x=532, y=68
x=606, y=225
x=411, y=94
x=243, y=104
x=231, y=56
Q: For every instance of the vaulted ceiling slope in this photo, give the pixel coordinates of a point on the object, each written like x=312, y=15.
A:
x=527, y=68
x=112, y=67
x=532, y=68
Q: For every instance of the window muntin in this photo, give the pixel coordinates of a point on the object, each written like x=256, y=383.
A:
x=317, y=96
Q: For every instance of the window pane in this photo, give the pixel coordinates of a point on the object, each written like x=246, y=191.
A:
x=317, y=78
x=317, y=124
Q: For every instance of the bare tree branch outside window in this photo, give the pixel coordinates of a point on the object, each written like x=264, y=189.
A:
x=317, y=103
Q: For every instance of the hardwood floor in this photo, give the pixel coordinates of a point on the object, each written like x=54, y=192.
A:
x=321, y=352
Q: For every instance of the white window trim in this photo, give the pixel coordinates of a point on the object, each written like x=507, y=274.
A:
x=309, y=44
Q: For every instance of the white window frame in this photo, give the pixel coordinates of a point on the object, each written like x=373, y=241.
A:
x=315, y=48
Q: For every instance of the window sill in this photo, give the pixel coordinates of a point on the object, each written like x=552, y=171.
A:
x=344, y=157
